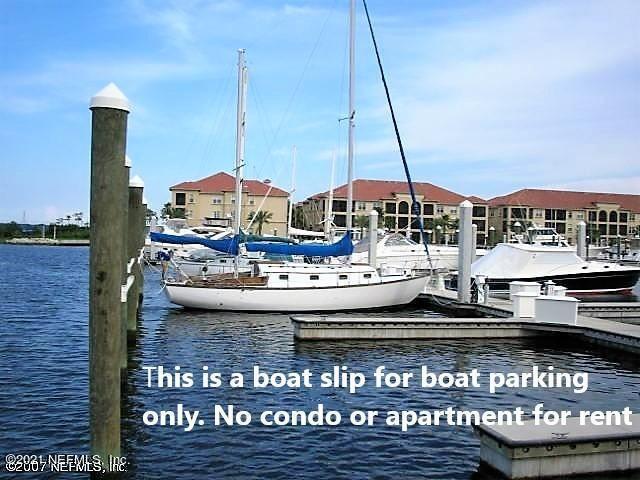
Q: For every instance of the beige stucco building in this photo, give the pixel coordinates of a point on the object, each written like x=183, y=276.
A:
x=393, y=200
x=211, y=201
x=608, y=215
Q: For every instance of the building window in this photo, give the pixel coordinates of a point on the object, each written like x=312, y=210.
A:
x=428, y=209
x=479, y=211
x=181, y=199
x=560, y=228
x=505, y=212
x=216, y=214
x=343, y=277
x=520, y=213
x=602, y=216
x=580, y=216
x=561, y=214
x=339, y=206
x=623, y=230
x=613, y=230
x=377, y=204
x=340, y=220
x=453, y=211
x=283, y=277
x=480, y=224
x=252, y=202
x=191, y=199
x=403, y=222
x=362, y=206
x=216, y=201
x=613, y=216
x=314, y=277
x=593, y=216
x=390, y=208
x=440, y=209
x=403, y=208
x=602, y=229
x=623, y=217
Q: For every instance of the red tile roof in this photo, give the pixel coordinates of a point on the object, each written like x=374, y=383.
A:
x=372, y=190
x=223, y=182
x=569, y=200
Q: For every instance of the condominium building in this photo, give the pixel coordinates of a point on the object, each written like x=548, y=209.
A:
x=438, y=207
x=211, y=201
x=608, y=215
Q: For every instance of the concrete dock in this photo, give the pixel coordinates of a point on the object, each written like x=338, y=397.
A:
x=538, y=451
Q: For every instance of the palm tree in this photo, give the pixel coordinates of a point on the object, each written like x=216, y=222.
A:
x=446, y=222
x=261, y=218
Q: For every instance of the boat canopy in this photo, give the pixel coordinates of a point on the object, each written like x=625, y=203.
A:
x=226, y=245
x=343, y=247
x=275, y=245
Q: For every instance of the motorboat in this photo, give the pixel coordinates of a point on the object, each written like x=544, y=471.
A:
x=396, y=250
x=509, y=262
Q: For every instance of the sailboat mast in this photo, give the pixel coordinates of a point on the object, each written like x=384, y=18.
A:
x=294, y=152
x=240, y=134
x=352, y=111
x=329, y=207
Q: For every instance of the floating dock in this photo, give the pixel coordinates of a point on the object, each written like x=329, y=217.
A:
x=538, y=451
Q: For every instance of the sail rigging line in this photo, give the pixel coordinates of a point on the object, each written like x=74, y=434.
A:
x=294, y=94
x=415, y=206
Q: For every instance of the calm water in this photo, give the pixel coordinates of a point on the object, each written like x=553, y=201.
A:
x=44, y=384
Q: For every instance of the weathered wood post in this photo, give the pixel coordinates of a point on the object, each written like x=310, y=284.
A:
x=109, y=109
x=124, y=353
x=464, y=252
x=141, y=244
x=135, y=227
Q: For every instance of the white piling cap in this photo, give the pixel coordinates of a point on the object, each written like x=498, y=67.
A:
x=466, y=204
x=136, y=181
x=110, y=97
x=127, y=161
x=373, y=212
x=582, y=223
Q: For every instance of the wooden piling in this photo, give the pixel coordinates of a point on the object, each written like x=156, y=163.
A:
x=123, y=182
x=108, y=198
x=135, y=227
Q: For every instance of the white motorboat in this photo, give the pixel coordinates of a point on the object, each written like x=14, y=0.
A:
x=509, y=262
x=396, y=250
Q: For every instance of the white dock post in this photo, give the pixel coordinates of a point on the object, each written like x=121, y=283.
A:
x=581, y=240
x=464, y=252
x=373, y=237
x=474, y=242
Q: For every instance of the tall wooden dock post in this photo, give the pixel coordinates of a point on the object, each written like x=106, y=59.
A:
x=123, y=181
x=464, y=252
x=109, y=109
x=135, y=229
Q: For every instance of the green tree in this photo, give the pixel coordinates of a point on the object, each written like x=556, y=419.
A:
x=447, y=224
x=261, y=218
x=381, y=218
x=170, y=212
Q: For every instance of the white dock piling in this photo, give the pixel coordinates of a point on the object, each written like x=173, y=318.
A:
x=373, y=237
x=474, y=242
x=464, y=252
x=581, y=240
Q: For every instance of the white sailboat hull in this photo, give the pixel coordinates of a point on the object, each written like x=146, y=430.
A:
x=304, y=299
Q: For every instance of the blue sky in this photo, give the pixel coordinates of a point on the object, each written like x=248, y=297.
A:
x=491, y=96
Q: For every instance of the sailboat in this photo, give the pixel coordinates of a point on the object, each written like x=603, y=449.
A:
x=288, y=286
